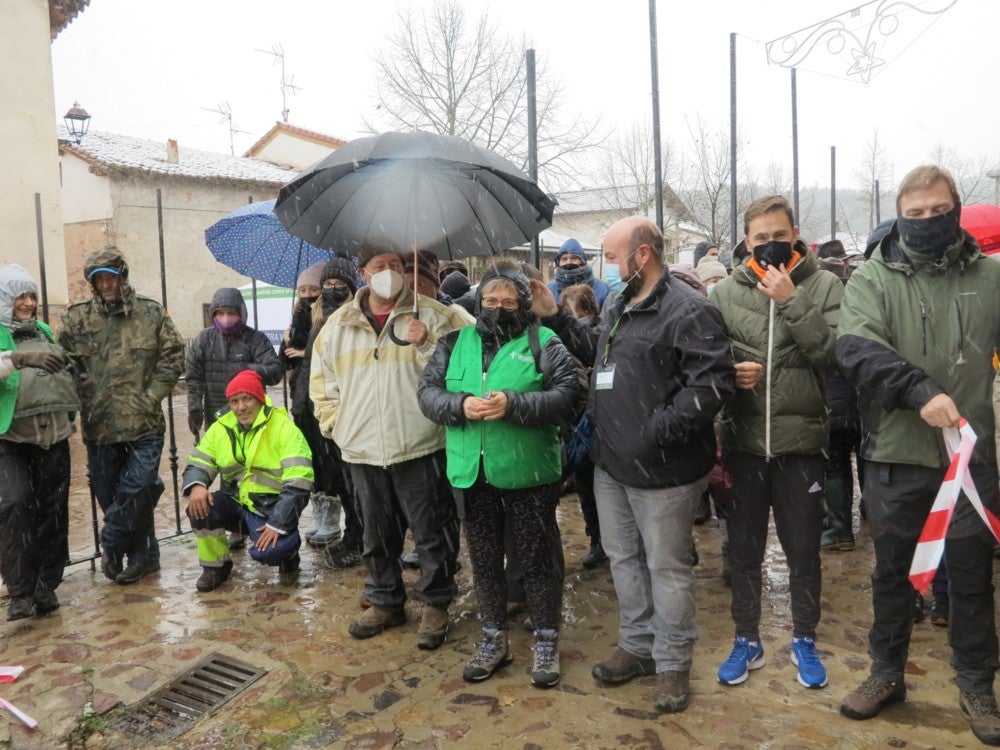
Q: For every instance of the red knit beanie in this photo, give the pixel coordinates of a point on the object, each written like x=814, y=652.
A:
x=246, y=381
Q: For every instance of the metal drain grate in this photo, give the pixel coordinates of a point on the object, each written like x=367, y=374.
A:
x=174, y=708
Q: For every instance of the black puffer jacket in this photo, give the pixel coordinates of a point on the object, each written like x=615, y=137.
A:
x=214, y=358
x=673, y=369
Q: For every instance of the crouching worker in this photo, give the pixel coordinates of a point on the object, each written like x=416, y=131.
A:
x=267, y=466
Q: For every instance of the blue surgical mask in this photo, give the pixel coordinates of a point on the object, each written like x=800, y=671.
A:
x=613, y=276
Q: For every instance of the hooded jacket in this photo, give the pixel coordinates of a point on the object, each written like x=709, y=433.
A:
x=794, y=340
x=215, y=357
x=910, y=331
x=672, y=371
x=128, y=355
x=364, y=386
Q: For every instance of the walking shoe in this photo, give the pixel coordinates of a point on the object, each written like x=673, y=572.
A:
x=492, y=653
x=939, y=610
x=545, y=669
x=375, y=620
x=136, y=572
x=410, y=560
x=45, y=600
x=340, y=557
x=326, y=516
x=843, y=545
x=872, y=696
x=237, y=540
x=745, y=656
x=622, y=667
x=433, y=626
x=984, y=718
x=290, y=564
x=673, y=691
x=811, y=673
x=111, y=565
x=20, y=607
x=919, y=607
x=211, y=578
x=596, y=556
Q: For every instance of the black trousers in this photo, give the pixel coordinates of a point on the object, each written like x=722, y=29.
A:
x=34, y=515
x=898, y=498
x=792, y=487
x=413, y=494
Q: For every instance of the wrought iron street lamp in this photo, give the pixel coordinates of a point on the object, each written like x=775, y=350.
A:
x=77, y=122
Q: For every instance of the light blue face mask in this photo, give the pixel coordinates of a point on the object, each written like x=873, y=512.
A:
x=613, y=276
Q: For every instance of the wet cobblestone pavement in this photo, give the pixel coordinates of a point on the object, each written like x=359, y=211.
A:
x=109, y=646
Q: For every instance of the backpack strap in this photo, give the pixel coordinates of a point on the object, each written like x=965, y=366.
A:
x=536, y=346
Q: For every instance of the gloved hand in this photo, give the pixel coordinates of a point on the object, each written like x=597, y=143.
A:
x=195, y=419
x=48, y=361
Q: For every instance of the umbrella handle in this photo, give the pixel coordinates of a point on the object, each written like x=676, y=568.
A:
x=395, y=339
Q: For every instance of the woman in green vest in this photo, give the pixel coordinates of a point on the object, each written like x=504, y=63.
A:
x=37, y=401
x=501, y=388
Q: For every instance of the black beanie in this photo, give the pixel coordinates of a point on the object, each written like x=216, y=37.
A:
x=341, y=269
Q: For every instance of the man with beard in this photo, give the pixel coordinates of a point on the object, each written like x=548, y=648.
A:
x=572, y=268
x=662, y=368
x=920, y=326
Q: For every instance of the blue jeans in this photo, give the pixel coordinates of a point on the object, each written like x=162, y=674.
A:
x=225, y=513
x=125, y=480
x=647, y=536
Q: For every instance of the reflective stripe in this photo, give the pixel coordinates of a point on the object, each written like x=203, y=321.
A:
x=302, y=484
x=265, y=481
x=201, y=456
x=295, y=461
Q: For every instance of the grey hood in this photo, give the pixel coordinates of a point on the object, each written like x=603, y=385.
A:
x=229, y=298
x=14, y=281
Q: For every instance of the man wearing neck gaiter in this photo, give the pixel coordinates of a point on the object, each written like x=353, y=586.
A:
x=920, y=326
x=572, y=268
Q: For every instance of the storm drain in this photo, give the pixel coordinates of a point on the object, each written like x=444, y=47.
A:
x=174, y=708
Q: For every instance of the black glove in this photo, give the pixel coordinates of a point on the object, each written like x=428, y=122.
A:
x=48, y=361
x=195, y=418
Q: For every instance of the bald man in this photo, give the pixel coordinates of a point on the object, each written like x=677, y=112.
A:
x=661, y=369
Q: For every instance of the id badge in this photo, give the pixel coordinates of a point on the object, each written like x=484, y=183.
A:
x=605, y=377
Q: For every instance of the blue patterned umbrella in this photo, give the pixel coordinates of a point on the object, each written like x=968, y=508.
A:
x=253, y=242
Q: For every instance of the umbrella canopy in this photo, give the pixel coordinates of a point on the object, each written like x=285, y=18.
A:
x=253, y=242
x=983, y=223
x=415, y=191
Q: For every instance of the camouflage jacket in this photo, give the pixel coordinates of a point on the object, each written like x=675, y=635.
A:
x=129, y=357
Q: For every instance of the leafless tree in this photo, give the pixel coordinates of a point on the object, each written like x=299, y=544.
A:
x=444, y=72
x=628, y=169
x=971, y=174
x=874, y=168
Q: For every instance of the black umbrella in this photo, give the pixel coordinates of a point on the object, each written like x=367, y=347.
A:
x=415, y=191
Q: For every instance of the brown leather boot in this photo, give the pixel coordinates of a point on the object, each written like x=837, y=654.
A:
x=622, y=667
x=673, y=691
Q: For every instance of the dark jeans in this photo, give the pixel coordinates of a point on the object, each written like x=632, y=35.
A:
x=125, y=481
x=898, y=498
x=225, y=513
x=791, y=486
x=34, y=515
x=413, y=494
x=584, y=480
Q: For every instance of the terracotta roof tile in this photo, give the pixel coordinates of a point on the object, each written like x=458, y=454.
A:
x=284, y=127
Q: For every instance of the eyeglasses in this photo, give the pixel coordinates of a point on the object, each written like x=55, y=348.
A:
x=334, y=284
x=491, y=303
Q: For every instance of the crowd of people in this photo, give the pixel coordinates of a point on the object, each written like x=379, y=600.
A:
x=424, y=405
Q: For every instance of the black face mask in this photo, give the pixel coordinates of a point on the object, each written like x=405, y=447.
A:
x=307, y=301
x=500, y=323
x=334, y=297
x=932, y=236
x=773, y=253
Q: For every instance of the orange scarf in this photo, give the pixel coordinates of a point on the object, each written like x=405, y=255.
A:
x=754, y=266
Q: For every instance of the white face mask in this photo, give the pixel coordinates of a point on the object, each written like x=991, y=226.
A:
x=386, y=284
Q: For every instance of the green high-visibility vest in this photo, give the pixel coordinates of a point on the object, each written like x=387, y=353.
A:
x=513, y=456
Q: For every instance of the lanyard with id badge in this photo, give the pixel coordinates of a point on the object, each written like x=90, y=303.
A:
x=604, y=373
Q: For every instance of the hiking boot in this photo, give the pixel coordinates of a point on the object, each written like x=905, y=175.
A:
x=673, y=691
x=290, y=564
x=45, y=600
x=237, y=540
x=340, y=557
x=939, y=610
x=984, y=718
x=375, y=620
x=433, y=626
x=744, y=657
x=545, y=669
x=833, y=545
x=20, y=607
x=622, y=667
x=111, y=565
x=919, y=607
x=872, y=696
x=596, y=556
x=492, y=653
x=136, y=571
x=326, y=516
x=211, y=578
x=410, y=560
x=811, y=672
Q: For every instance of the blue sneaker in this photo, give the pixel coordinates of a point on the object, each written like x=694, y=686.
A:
x=812, y=673
x=745, y=657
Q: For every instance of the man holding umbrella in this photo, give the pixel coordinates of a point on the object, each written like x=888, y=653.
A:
x=371, y=355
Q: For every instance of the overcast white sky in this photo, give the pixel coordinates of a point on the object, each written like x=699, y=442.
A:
x=148, y=69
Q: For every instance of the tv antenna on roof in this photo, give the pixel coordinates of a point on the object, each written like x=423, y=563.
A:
x=287, y=87
x=227, y=117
